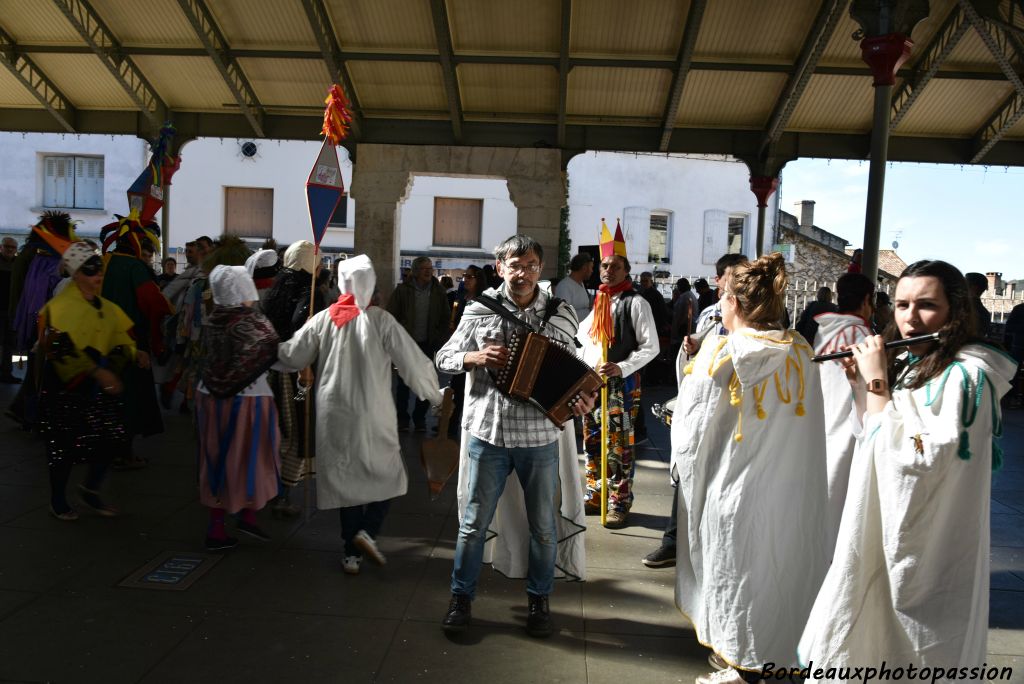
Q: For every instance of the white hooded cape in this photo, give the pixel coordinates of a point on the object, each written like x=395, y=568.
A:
x=359, y=459
x=910, y=579
x=836, y=330
x=751, y=512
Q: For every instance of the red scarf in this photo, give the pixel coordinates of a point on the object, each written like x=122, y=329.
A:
x=602, y=328
x=344, y=310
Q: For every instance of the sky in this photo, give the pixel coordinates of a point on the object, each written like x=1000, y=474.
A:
x=970, y=216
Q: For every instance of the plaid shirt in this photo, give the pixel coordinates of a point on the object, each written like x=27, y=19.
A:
x=490, y=415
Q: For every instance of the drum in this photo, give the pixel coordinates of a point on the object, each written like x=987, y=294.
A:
x=663, y=412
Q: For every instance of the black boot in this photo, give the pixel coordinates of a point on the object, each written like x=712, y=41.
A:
x=538, y=618
x=459, y=614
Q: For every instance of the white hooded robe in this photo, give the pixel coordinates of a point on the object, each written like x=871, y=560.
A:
x=752, y=511
x=841, y=397
x=359, y=459
x=910, y=579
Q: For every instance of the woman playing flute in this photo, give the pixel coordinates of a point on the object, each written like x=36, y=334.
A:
x=909, y=582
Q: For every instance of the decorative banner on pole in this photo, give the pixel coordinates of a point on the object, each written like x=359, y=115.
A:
x=325, y=187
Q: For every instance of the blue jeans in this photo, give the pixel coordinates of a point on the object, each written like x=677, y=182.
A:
x=489, y=467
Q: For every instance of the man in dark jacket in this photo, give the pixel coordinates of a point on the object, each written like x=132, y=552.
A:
x=420, y=304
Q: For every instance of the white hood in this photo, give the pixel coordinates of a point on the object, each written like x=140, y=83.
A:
x=757, y=354
x=998, y=366
x=357, y=277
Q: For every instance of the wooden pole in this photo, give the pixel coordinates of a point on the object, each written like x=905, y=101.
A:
x=307, y=458
x=604, y=439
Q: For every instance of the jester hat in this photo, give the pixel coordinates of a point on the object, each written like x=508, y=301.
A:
x=612, y=246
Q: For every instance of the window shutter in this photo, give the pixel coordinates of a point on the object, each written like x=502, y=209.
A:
x=58, y=184
x=89, y=183
x=457, y=222
x=249, y=212
x=716, y=235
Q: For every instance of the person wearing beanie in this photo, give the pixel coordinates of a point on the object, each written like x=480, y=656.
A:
x=236, y=416
x=87, y=346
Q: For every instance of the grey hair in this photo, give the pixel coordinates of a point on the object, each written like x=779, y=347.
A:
x=579, y=261
x=420, y=260
x=517, y=246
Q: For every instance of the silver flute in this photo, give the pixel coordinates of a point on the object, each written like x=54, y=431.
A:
x=906, y=342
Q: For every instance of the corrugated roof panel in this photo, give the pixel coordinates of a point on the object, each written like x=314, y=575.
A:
x=617, y=92
x=396, y=25
x=287, y=82
x=415, y=86
x=640, y=28
x=1016, y=132
x=14, y=94
x=84, y=80
x=497, y=88
x=949, y=107
x=264, y=24
x=730, y=99
x=526, y=26
x=738, y=30
x=970, y=53
x=32, y=21
x=843, y=104
x=186, y=83
x=148, y=24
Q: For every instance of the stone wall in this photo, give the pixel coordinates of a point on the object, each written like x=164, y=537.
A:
x=382, y=177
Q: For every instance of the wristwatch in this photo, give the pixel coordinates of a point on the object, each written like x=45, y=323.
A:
x=877, y=386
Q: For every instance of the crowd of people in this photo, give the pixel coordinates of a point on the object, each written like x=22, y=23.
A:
x=815, y=503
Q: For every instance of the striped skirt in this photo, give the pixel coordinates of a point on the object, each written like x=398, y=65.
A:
x=239, y=465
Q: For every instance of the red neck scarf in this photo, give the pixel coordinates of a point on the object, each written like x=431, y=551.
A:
x=602, y=328
x=344, y=310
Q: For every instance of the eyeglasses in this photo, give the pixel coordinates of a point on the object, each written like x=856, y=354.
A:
x=469, y=277
x=522, y=268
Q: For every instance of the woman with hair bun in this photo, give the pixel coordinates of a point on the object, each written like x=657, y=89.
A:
x=749, y=450
x=909, y=583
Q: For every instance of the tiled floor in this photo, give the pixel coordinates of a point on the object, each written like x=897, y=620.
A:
x=284, y=612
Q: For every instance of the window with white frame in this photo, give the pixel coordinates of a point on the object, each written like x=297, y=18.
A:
x=658, y=242
x=71, y=182
x=737, y=229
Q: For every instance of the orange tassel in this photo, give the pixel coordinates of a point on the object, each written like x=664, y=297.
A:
x=602, y=330
x=336, y=117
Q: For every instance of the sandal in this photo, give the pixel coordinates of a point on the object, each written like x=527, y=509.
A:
x=93, y=502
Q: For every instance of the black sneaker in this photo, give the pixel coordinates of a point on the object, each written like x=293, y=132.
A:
x=224, y=544
x=459, y=614
x=538, y=618
x=662, y=557
x=252, y=530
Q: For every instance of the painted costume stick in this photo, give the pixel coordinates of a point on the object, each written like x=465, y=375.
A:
x=324, y=190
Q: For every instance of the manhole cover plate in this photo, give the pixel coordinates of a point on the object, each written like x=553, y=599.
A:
x=171, y=571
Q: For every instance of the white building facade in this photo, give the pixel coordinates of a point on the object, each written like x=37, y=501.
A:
x=85, y=175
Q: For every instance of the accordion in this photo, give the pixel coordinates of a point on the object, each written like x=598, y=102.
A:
x=546, y=374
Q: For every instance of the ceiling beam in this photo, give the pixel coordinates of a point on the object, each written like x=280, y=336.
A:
x=681, y=70
x=37, y=82
x=613, y=62
x=927, y=67
x=825, y=23
x=330, y=52
x=103, y=43
x=203, y=23
x=563, y=69
x=442, y=31
x=1005, y=48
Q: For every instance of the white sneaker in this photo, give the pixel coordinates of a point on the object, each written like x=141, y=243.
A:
x=726, y=676
x=369, y=547
x=718, y=662
x=350, y=564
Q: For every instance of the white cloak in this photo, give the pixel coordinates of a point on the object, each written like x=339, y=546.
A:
x=359, y=459
x=910, y=579
x=753, y=510
x=508, y=545
x=835, y=330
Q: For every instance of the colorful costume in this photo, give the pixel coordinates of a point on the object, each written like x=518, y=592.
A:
x=910, y=579
x=748, y=451
x=633, y=344
x=36, y=273
x=235, y=412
